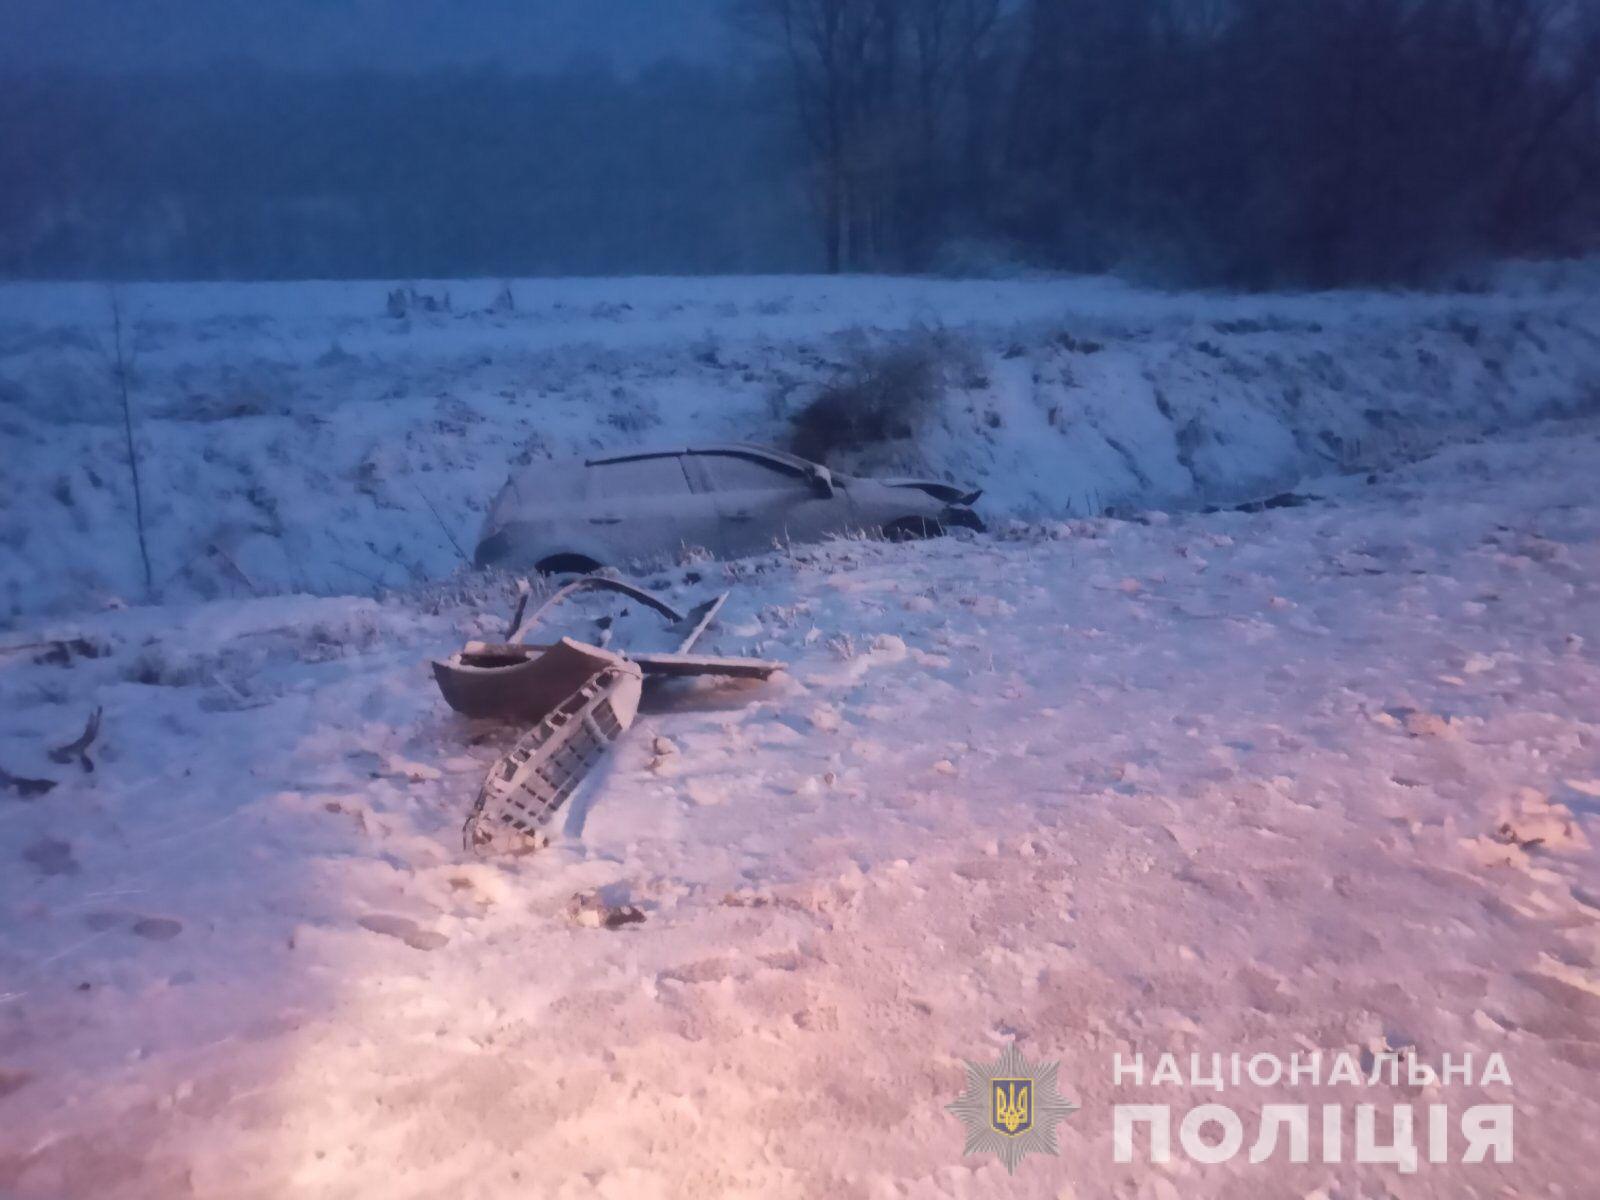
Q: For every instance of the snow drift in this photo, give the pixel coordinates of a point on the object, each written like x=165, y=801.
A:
x=300, y=437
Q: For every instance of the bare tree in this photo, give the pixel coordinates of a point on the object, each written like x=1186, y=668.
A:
x=873, y=82
x=835, y=53
x=1567, y=104
x=808, y=34
x=944, y=45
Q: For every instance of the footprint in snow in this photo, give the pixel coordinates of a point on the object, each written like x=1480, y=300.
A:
x=12, y=1081
x=51, y=856
x=407, y=930
x=157, y=929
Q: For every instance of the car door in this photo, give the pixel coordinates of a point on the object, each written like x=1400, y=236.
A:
x=644, y=506
x=762, y=502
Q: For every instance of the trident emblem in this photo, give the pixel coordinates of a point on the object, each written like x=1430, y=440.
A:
x=1013, y=1106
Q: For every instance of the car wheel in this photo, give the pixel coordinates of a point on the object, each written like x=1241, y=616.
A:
x=911, y=529
x=567, y=564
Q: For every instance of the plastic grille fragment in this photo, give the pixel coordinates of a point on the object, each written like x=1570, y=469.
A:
x=528, y=786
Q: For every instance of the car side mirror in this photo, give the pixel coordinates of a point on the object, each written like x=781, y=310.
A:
x=822, y=482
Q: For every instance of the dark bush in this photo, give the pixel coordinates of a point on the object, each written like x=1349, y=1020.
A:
x=883, y=396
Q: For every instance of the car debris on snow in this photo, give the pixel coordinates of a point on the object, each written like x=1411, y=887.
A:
x=517, y=679
x=25, y=788
x=581, y=697
x=528, y=785
x=77, y=750
x=591, y=911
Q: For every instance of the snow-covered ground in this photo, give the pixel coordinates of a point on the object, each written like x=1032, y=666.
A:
x=294, y=437
x=1316, y=778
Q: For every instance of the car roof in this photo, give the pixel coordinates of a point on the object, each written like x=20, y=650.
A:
x=778, y=458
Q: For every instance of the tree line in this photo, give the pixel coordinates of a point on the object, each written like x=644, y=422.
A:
x=245, y=172
x=1246, y=142
x=1236, y=142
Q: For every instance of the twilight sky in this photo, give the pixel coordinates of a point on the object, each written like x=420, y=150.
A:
x=389, y=34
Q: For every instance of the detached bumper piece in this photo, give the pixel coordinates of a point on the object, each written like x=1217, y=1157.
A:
x=530, y=783
x=579, y=697
x=521, y=680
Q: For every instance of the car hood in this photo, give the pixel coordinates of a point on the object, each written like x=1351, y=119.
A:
x=947, y=492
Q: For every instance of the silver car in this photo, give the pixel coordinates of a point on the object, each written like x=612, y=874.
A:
x=728, y=499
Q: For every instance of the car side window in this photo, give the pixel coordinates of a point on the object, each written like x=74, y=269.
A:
x=660, y=475
x=732, y=473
